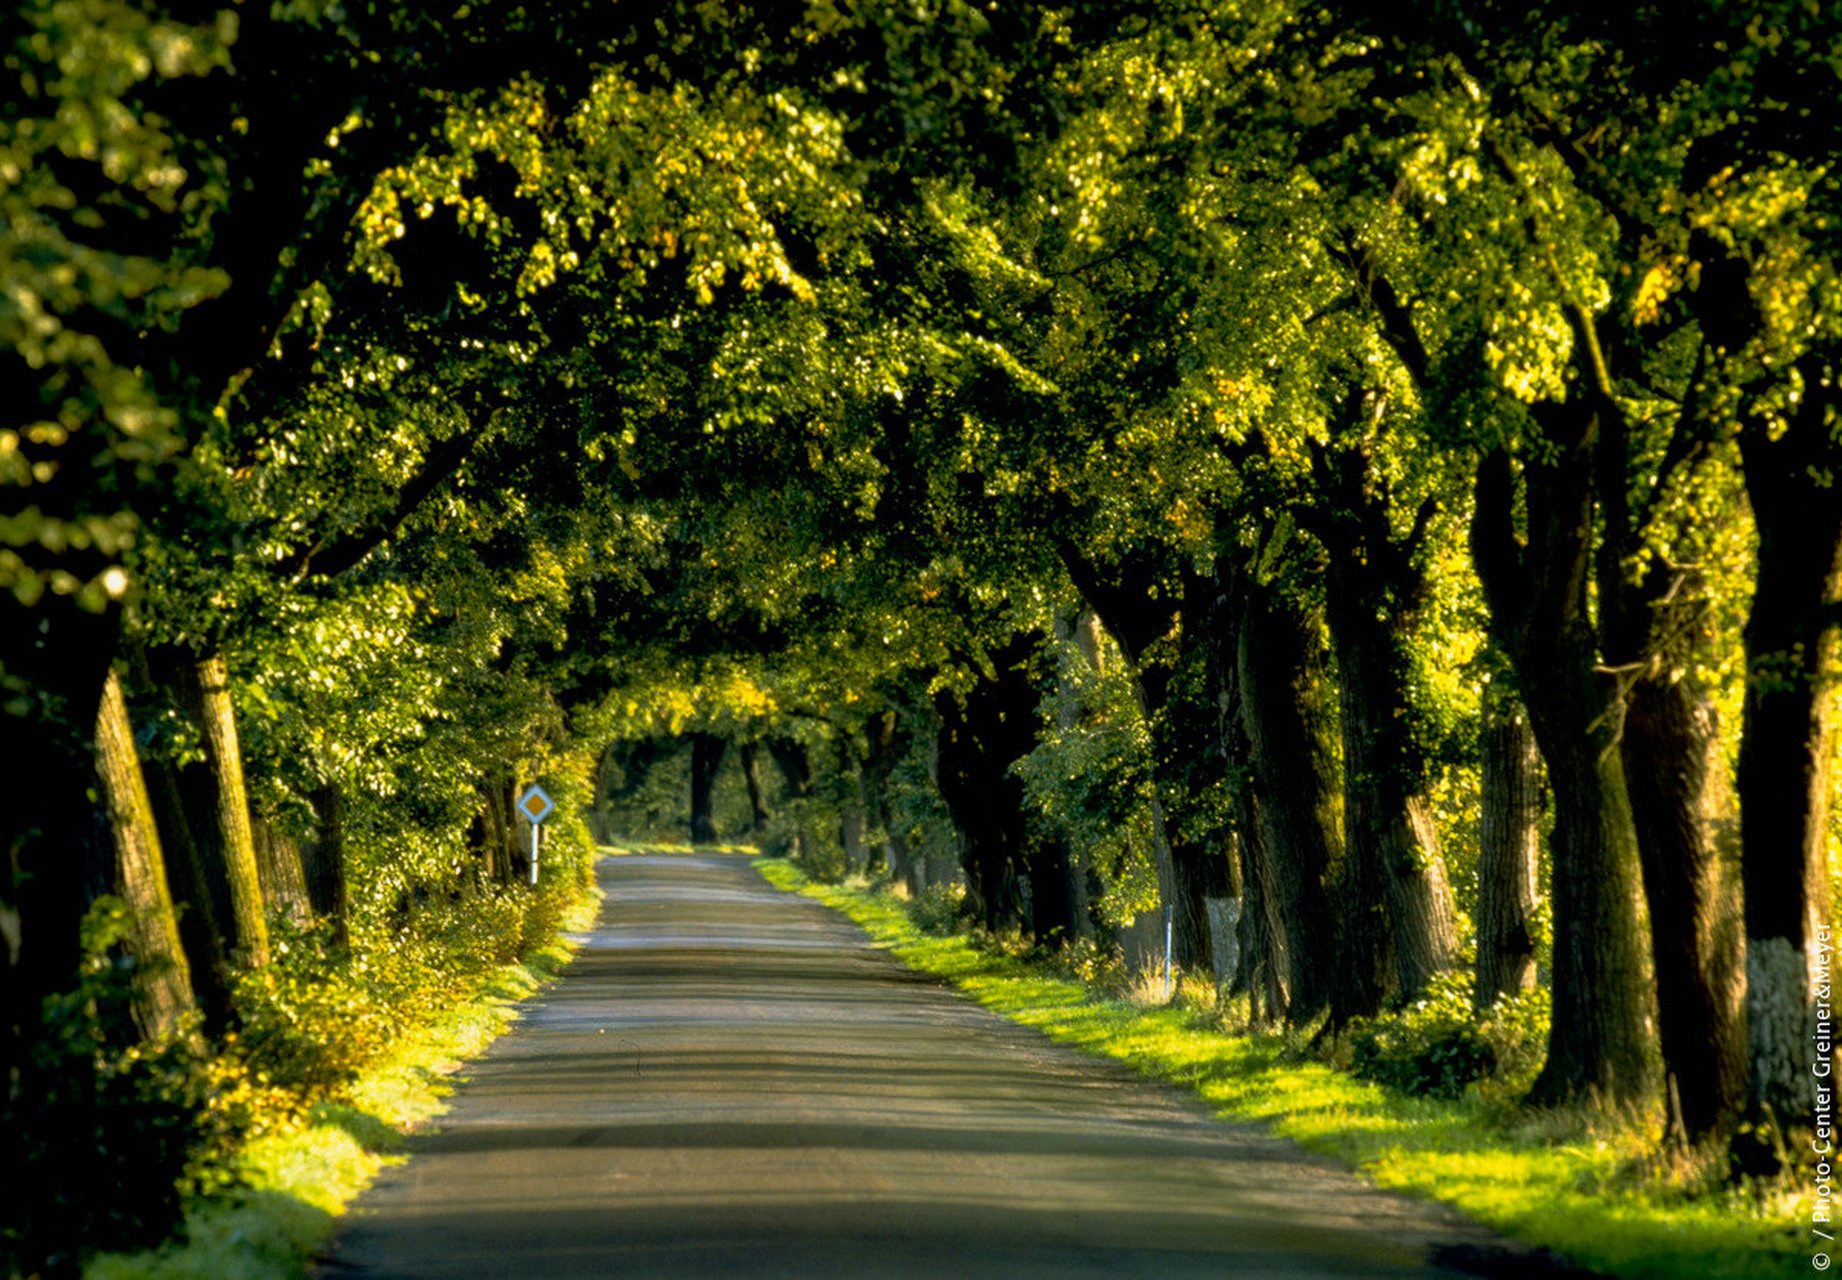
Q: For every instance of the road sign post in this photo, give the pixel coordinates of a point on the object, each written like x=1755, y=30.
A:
x=535, y=805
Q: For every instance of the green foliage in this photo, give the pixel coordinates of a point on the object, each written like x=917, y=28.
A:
x=1433, y=1048
x=1439, y=1047
x=298, y=1175
x=938, y=909
x=128, y=1128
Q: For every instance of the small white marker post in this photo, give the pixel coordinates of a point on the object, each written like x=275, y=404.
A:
x=535, y=805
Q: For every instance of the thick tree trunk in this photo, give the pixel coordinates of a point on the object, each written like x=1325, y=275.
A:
x=1393, y=847
x=162, y=976
x=1056, y=896
x=1784, y=754
x=1401, y=925
x=489, y=821
x=796, y=772
x=217, y=808
x=1281, y=684
x=1509, y=836
x=1687, y=838
x=323, y=863
x=707, y=751
x=1601, y=1044
x=601, y=812
x=193, y=895
x=750, y=754
x=853, y=812
x=1259, y=933
x=885, y=736
x=981, y=737
x=278, y=864
x=1266, y=963
x=1190, y=866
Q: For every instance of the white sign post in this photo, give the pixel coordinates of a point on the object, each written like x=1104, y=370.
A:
x=535, y=805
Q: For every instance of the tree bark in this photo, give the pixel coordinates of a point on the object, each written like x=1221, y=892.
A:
x=1687, y=840
x=162, y=975
x=886, y=739
x=323, y=864
x=1509, y=836
x=1601, y=1044
x=1144, y=620
x=489, y=822
x=1281, y=680
x=218, y=808
x=193, y=896
x=750, y=754
x=796, y=771
x=1785, y=748
x=707, y=752
x=278, y=864
x=1400, y=922
x=853, y=812
x=981, y=736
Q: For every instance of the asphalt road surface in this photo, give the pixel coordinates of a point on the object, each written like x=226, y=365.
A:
x=729, y=1081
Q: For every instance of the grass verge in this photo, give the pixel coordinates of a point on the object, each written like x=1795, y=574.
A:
x=1557, y=1185
x=300, y=1177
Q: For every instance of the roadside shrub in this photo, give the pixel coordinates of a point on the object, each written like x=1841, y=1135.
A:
x=1434, y=1048
x=937, y=909
x=119, y=1136
x=1516, y=1028
x=309, y=1022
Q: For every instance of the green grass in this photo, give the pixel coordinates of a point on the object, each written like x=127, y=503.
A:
x=1551, y=1183
x=300, y=1177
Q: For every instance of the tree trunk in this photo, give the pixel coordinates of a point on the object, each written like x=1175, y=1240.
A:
x=1401, y=924
x=1128, y=603
x=162, y=977
x=490, y=825
x=707, y=751
x=278, y=864
x=193, y=895
x=1687, y=839
x=601, y=812
x=1783, y=778
x=1056, y=894
x=217, y=808
x=1266, y=964
x=1509, y=835
x=323, y=863
x=981, y=737
x=1601, y=1044
x=1259, y=933
x=853, y=813
x=757, y=793
x=796, y=771
x=1281, y=680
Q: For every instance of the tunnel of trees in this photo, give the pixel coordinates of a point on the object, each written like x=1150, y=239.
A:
x=1359, y=481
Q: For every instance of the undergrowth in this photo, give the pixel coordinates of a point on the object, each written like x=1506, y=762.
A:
x=341, y=1056
x=1596, y=1192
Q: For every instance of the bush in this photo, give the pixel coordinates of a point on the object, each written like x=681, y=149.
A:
x=937, y=909
x=1433, y=1048
x=119, y=1136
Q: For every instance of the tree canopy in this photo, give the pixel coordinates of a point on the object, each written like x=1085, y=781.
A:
x=1183, y=459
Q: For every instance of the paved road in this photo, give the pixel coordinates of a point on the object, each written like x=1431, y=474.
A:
x=729, y=1081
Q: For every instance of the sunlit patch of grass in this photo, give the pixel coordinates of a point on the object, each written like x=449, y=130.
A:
x=301, y=1175
x=1554, y=1180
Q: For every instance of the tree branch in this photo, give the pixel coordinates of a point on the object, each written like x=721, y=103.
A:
x=328, y=559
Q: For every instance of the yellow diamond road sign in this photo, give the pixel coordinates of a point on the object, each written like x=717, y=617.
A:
x=535, y=805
